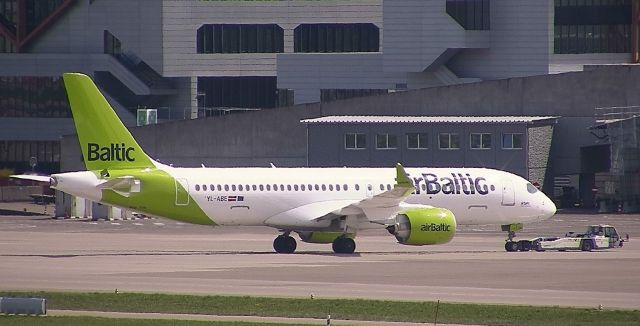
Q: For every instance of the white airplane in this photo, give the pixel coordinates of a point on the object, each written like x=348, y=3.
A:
x=420, y=206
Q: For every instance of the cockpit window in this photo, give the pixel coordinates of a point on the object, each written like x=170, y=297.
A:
x=531, y=188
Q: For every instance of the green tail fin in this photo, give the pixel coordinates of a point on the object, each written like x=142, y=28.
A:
x=105, y=142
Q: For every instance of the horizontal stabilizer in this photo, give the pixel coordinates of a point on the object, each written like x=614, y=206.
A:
x=32, y=177
x=124, y=186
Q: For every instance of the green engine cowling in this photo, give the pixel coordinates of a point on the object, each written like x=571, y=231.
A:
x=322, y=237
x=424, y=226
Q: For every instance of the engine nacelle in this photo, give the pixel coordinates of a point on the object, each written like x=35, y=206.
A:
x=424, y=226
x=322, y=237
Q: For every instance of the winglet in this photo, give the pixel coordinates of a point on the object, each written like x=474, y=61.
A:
x=402, y=179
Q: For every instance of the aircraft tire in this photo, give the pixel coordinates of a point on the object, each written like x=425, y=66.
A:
x=344, y=245
x=511, y=246
x=284, y=244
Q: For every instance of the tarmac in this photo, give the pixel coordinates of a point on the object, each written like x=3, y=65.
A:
x=157, y=255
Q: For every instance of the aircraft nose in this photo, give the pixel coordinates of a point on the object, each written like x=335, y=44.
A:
x=548, y=208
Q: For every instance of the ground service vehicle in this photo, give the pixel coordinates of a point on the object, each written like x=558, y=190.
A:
x=596, y=237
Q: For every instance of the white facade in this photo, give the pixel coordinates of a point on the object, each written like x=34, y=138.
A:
x=421, y=45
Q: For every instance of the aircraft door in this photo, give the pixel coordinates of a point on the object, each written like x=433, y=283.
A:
x=508, y=193
x=182, y=192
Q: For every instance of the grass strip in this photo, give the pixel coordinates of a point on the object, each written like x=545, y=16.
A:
x=103, y=321
x=353, y=309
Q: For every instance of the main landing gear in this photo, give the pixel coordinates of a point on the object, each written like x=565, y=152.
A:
x=510, y=245
x=344, y=245
x=284, y=244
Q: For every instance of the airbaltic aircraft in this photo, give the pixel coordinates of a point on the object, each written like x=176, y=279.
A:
x=419, y=206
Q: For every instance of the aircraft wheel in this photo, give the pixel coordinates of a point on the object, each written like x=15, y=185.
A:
x=284, y=244
x=586, y=245
x=525, y=245
x=344, y=245
x=511, y=246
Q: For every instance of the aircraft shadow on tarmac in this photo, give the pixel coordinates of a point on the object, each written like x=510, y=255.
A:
x=214, y=253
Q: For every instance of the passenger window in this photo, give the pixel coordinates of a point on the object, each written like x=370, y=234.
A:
x=289, y=187
x=388, y=187
x=310, y=188
x=357, y=187
x=324, y=187
x=381, y=187
x=345, y=187
x=275, y=187
x=247, y=188
x=211, y=187
x=295, y=187
x=302, y=187
x=219, y=188
x=268, y=187
x=281, y=187
x=204, y=187
x=254, y=188
x=330, y=187
x=317, y=187
x=261, y=188
x=338, y=187
x=240, y=187
x=197, y=187
x=233, y=187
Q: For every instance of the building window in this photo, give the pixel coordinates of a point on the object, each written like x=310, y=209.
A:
x=355, y=141
x=449, y=141
x=417, y=140
x=512, y=140
x=6, y=46
x=327, y=38
x=240, y=38
x=33, y=97
x=592, y=26
x=386, y=141
x=238, y=92
x=17, y=154
x=112, y=44
x=470, y=14
x=480, y=141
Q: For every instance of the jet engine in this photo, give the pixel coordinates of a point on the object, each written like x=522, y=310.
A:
x=322, y=237
x=424, y=226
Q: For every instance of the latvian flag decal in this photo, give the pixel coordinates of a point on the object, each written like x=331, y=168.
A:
x=235, y=198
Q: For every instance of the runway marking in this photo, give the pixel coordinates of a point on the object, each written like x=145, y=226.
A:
x=158, y=224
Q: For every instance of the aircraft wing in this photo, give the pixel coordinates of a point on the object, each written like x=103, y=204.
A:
x=32, y=177
x=384, y=205
x=376, y=209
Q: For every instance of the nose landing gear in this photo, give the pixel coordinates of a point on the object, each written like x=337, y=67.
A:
x=511, y=245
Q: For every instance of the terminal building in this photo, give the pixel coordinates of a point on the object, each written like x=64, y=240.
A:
x=197, y=61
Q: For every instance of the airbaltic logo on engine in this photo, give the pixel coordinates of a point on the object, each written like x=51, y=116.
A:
x=432, y=227
x=454, y=183
x=113, y=152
